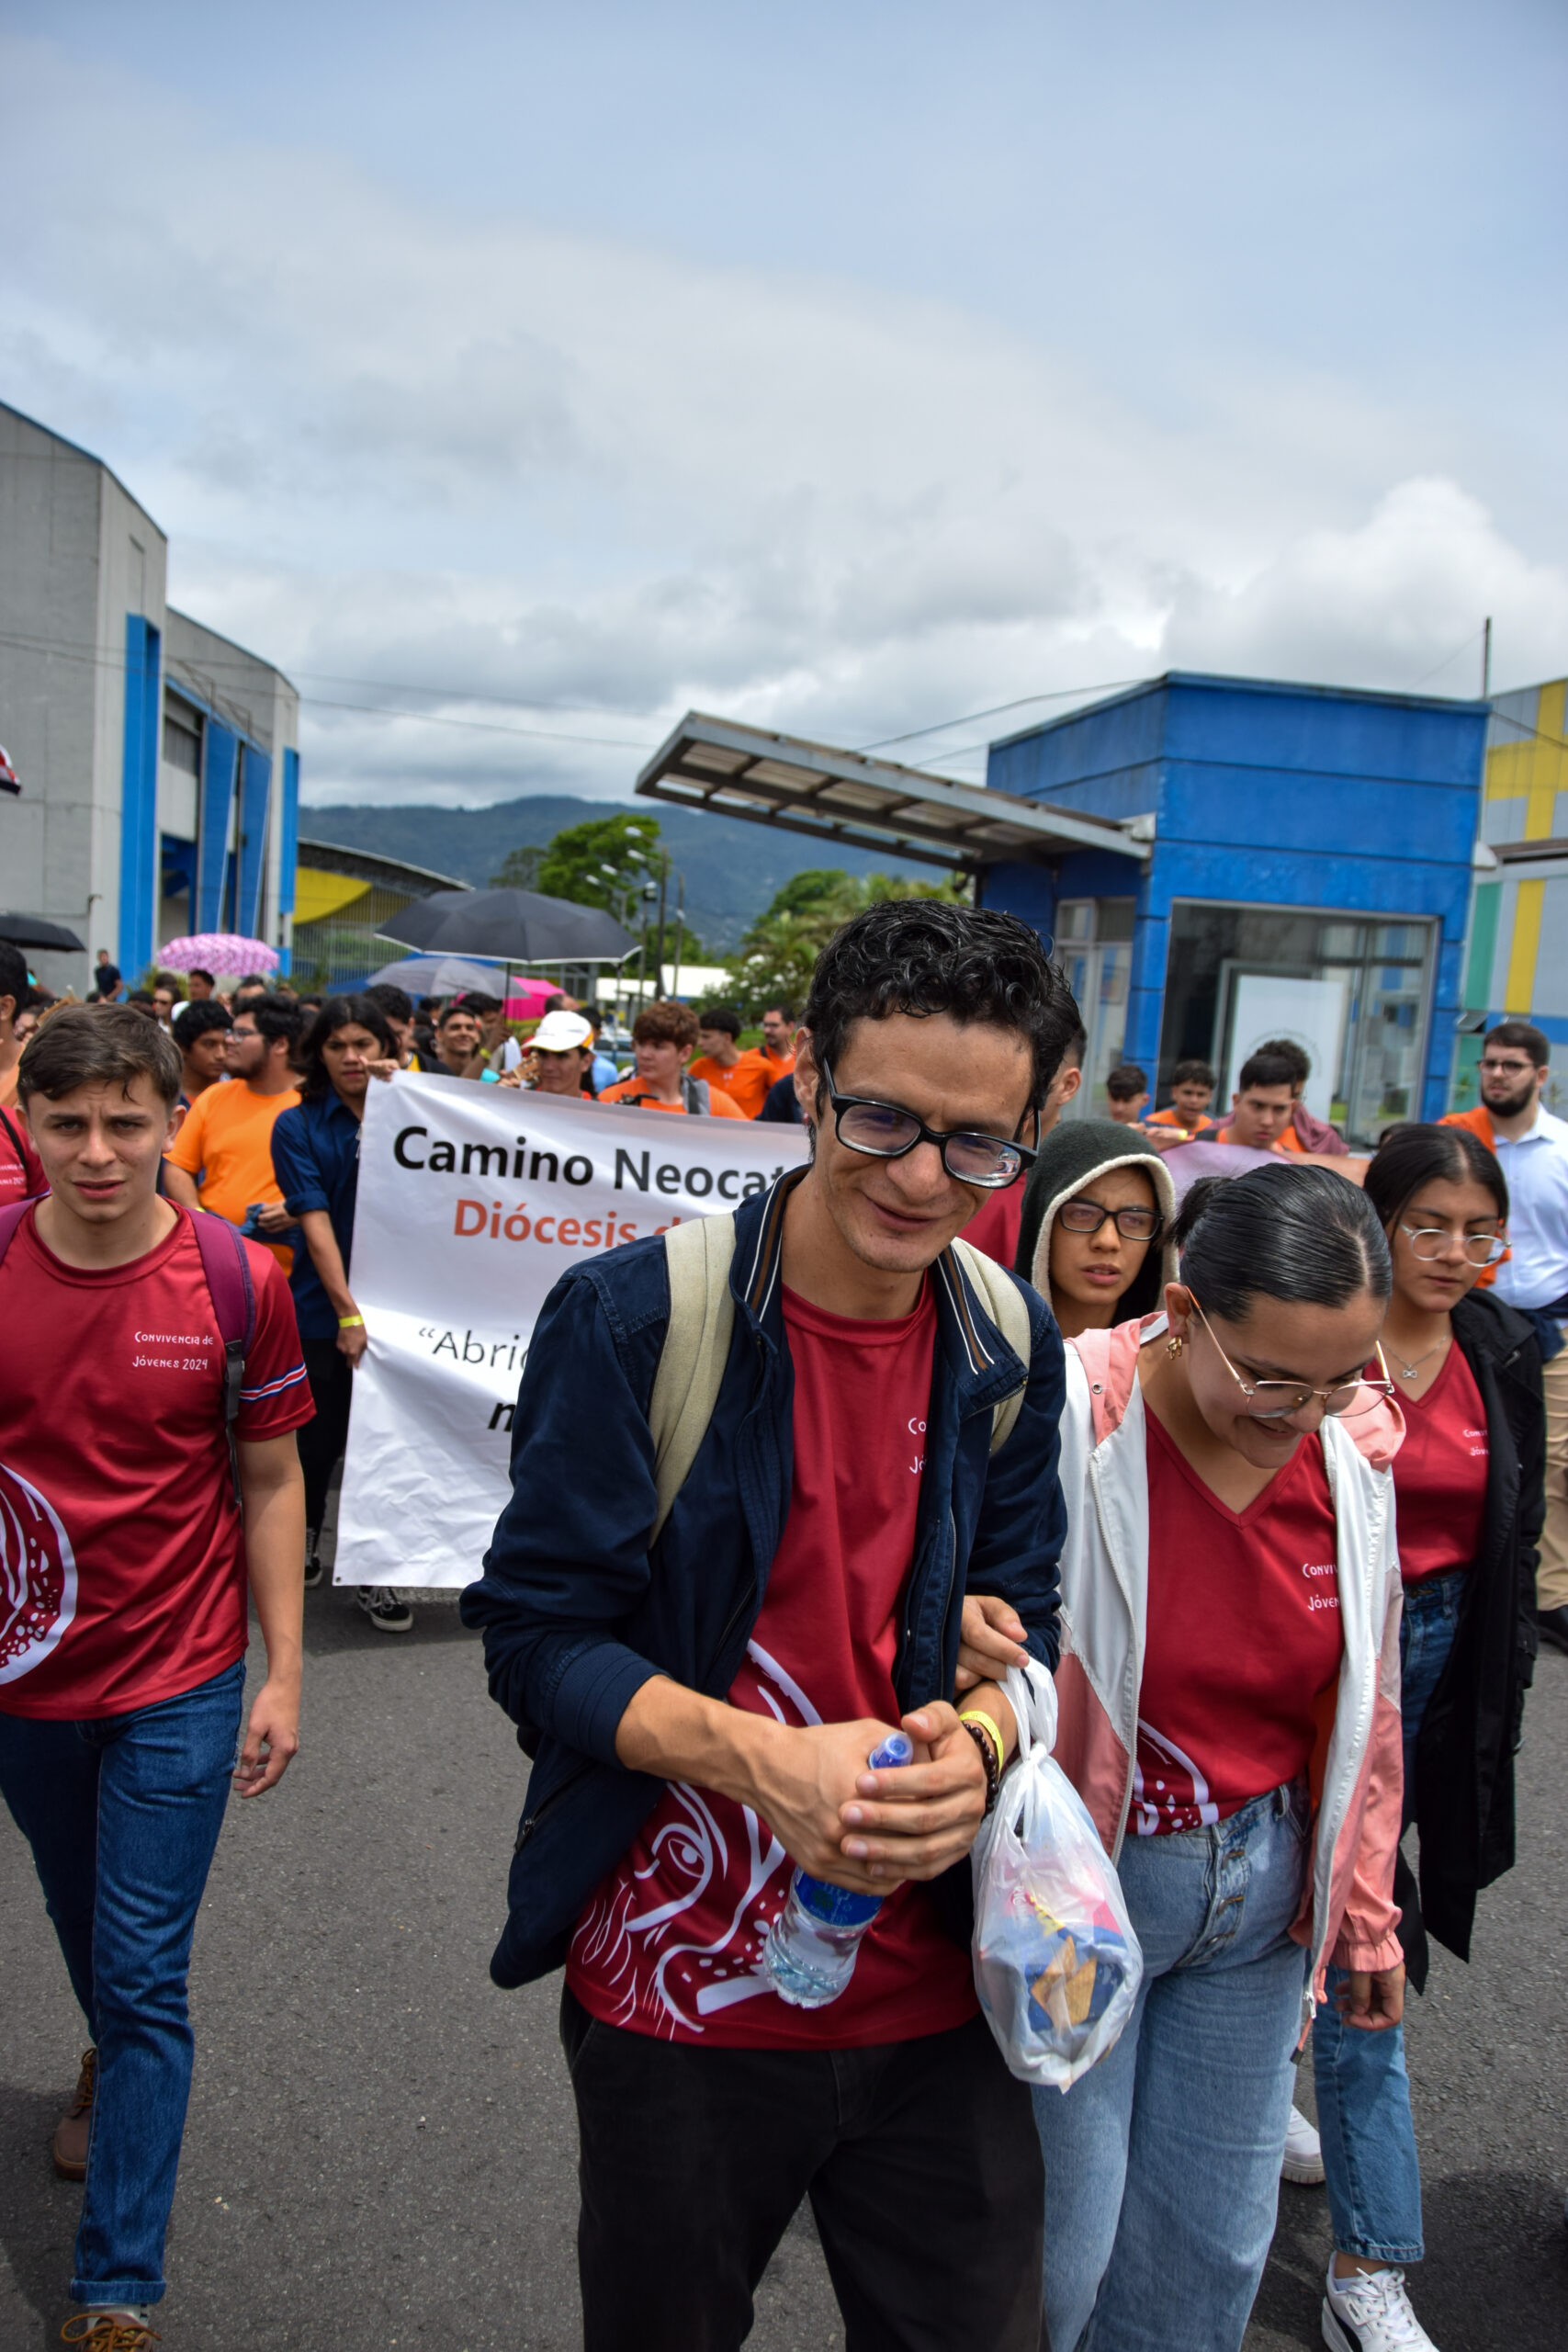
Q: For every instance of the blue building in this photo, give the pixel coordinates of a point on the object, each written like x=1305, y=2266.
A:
x=158, y=762
x=1291, y=861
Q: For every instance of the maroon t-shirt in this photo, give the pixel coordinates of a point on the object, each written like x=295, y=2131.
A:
x=122, y=1568
x=1244, y=1637
x=671, y=1941
x=1440, y=1473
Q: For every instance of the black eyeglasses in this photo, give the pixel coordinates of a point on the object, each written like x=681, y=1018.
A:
x=884, y=1131
x=1088, y=1216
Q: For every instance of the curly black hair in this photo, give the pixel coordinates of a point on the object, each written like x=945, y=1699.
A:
x=924, y=955
x=191, y=1021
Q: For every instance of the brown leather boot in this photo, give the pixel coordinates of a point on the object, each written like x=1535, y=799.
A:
x=71, y=2134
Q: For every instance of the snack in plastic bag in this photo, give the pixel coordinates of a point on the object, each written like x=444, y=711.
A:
x=1057, y=1964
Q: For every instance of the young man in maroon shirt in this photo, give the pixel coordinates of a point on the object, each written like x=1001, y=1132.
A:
x=123, y=1625
x=704, y=1701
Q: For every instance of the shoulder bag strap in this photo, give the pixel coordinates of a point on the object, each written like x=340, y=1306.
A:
x=696, y=1351
x=1006, y=1305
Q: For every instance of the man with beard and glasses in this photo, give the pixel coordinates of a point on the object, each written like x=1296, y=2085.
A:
x=1532, y=1147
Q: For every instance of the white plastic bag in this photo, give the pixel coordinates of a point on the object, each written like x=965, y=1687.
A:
x=1057, y=1964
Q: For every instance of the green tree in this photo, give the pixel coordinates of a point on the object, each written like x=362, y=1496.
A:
x=609, y=862
x=519, y=869
x=604, y=863
x=810, y=888
x=778, y=954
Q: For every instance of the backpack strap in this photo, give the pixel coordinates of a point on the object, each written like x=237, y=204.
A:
x=14, y=1139
x=11, y=1216
x=696, y=1351
x=228, y=1272
x=1005, y=1303
x=694, y=1095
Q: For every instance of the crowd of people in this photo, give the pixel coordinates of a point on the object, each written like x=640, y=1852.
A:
x=1264, y=1467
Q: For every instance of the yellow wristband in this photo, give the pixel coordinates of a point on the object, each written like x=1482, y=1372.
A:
x=995, y=1730
x=351, y=1322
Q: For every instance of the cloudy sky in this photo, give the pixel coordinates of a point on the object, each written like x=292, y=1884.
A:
x=538, y=371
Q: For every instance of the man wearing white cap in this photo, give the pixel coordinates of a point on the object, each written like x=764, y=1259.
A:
x=558, y=1055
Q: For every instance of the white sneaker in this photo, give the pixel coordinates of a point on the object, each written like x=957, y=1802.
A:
x=1371, y=2312
x=1302, y=2159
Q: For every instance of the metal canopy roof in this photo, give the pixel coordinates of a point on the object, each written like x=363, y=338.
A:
x=849, y=801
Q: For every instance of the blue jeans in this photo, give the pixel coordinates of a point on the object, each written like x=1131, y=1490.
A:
x=122, y=1814
x=1162, y=2165
x=1363, y=2091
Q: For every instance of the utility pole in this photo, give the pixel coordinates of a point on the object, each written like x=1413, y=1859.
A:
x=1486, y=660
x=680, y=930
x=663, y=886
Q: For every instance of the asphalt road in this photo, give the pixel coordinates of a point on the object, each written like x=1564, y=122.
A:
x=381, y=2147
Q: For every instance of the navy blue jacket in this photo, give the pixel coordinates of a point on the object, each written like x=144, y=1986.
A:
x=578, y=1614
x=315, y=1158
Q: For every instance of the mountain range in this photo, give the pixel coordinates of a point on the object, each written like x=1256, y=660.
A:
x=732, y=870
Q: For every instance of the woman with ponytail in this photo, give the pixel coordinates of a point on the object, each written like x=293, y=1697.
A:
x=1469, y=1481
x=1229, y=1692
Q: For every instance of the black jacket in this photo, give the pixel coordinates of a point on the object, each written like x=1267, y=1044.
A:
x=1462, y=1798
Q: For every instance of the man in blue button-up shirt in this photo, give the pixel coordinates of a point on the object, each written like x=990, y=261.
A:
x=1532, y=1151
x=315, y=1157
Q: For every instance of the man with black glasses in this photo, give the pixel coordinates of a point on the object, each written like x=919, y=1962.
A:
x=703, y=1689
x=1532, y=1145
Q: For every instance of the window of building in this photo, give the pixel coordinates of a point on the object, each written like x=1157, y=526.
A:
x=1352, y=991
x=1093, y=946
x=182, y=738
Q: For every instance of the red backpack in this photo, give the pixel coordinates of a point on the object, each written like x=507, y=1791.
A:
x=228, y=1272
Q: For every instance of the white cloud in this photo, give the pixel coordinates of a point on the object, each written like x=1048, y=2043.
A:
x=1382, y=603
x=397, y=441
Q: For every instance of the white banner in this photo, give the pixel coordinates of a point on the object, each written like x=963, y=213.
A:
x=473, y=1202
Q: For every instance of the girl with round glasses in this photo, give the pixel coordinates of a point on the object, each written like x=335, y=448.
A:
x=1469, y=1483
x=1229, y=1694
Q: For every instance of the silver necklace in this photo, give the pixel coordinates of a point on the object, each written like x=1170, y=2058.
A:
x=1409, y=1371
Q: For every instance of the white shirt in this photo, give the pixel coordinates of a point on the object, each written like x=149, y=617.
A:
x=1536, y=1167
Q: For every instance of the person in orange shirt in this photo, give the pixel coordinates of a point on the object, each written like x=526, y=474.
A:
x=1307, y=1132
x=1192, y=1088
x=719, y=1051
x=1261, y=1106
x=226, y=1140
x=745, y=1077
x=662, y=1036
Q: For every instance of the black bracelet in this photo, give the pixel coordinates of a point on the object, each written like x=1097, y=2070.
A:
x=987, y=1746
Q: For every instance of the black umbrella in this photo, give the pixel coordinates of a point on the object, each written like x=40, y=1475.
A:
x=521, y=926
x=31, y=931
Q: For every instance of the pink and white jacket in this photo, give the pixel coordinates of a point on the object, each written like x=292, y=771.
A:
x=1356, y=1774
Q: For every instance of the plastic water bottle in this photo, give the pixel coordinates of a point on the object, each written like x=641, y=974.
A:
x=811, y=1947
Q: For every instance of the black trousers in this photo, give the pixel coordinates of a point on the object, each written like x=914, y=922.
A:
x=921, y=2160
x=322, y=1442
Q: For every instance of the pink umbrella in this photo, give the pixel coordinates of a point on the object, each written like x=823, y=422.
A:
x=218, y=951
x=527, y=999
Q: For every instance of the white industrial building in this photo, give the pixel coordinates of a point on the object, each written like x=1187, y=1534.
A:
x=158, y=764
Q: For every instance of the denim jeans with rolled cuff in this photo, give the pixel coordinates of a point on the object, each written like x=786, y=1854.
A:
x=1363, y=2091
x=122, y=1814
x=1162, y=2165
